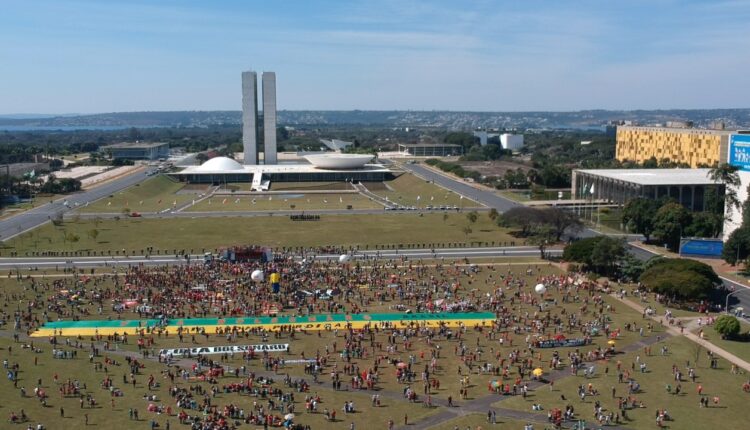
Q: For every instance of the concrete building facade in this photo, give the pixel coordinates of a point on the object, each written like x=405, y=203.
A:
x=269, y=118
x=689, y=187
x=695, y=147
x=512, y=142
x=138, y=150
x=431, y=149
x=250, y=117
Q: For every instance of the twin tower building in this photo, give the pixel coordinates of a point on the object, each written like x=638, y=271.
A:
x=250, y=117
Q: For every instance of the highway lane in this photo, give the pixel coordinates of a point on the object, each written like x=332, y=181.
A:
x=154, y=260
x=42, y=214
x=490, y=199
x=485, y=197
x=39, y=215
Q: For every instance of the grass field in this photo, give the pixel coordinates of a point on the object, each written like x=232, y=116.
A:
x=181, y=233
x=684, y=408
x=157, y=193
x=740, y=348
x=292, y=201
x=405, y=189
x=115, y=416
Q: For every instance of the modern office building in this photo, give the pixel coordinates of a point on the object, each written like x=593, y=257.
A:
x=687, y=186
x=484, y=136
x=321, y=167
x=137, y=150
x=430, y=149
x=250, y=117
x=512, y=142
x=692, y=146
x=738, y=155
x=269, y=118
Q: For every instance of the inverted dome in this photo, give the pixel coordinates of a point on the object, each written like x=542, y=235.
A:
x=219, y=164
x=338, y=161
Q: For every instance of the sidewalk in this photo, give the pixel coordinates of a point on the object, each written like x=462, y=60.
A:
x=692, y=336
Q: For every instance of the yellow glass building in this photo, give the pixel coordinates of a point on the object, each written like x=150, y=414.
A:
x=695, y=147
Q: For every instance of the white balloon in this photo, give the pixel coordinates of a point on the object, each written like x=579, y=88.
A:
x=540, y=289
x=343, y=258
x=257, y=275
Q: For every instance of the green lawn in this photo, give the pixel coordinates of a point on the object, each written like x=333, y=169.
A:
x=406, y=188
x=683, y=408
x=181, y=233
x=292, y=201
x=739, y=348
x=115, y=415
x=156, y=194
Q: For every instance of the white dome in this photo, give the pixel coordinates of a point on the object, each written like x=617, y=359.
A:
x=338, y=161
x=219, y=164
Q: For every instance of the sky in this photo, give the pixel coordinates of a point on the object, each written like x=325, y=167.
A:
x=59, y=56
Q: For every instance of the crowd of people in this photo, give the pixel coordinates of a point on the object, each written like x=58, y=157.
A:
x=509, y=350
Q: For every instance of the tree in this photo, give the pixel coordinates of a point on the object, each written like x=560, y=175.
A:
x=580, y=250
x=705, y=224
x=737, y=246
x=727, y=326
x=727, y=174
x=93, y=234
x=600, y=254
x=522, y=217
x=668, y=224
x=561, y=221
x=542, y=235
x=631, y=268
x=493, y=214
x=638, y=216
x=680, y=278
x=467, y=230
x=472, y=216
x=606, y=255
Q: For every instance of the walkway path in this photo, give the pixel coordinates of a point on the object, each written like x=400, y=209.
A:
x=692, y=336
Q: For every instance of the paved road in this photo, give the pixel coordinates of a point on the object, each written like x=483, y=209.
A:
x=450, y=253
x=484, y=197
x=490, y=199
x=39, y=215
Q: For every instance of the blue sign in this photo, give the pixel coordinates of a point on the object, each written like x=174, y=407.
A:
x=739, y=151
x=702, y=247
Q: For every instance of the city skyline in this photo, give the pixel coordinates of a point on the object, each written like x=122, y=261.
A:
x=90, y=57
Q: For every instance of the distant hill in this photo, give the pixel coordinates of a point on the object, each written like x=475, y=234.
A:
x=733, y=118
